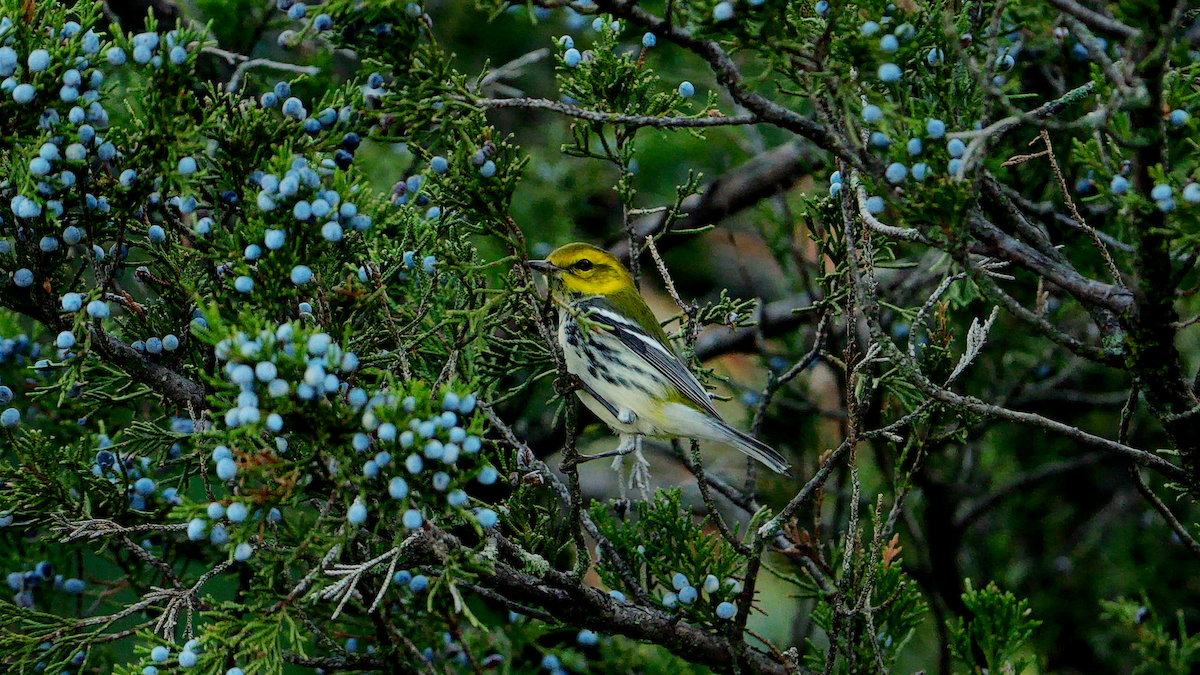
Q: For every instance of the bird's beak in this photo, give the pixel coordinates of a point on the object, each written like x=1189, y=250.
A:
x=543, y=266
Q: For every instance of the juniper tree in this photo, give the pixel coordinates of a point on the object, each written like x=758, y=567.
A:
x=262, y=415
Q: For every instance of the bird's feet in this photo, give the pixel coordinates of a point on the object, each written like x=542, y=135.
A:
x=639, y=475
x=565, y=384
x=629, y=443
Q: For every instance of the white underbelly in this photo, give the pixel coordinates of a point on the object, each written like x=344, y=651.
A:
x=618, y=376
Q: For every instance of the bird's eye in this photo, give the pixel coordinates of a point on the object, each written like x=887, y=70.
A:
x=584, y=265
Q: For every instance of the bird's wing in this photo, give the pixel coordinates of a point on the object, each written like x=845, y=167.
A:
x=654, y=352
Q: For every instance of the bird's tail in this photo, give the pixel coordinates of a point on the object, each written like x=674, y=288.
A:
x=755, y=448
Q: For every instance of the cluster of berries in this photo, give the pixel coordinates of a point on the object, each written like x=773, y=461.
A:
x=572, y=57
x=436, y=443
x=250, y=368
x=301, y=188
x=145, y=48
x=17, y=350
x=135, y=471
x=27, y=77
x=187, y=658
x=687, y=594
x=41, y=576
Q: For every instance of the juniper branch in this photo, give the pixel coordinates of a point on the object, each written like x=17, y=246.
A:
x=627, y=121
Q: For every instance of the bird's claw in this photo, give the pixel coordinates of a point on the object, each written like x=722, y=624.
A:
x=565, y=384
x=627, y=445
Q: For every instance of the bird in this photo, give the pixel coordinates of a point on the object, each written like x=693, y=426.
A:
x=628, y=373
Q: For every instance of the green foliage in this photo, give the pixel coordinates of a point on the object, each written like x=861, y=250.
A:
x=995, y=636
x=613, y=80
x=353, y=438
x=1159, y=649
x=537, y=524
x=660, y=539
x=871, y=619
x=24, y=635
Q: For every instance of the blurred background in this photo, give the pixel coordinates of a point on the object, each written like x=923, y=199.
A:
x=1040, y=516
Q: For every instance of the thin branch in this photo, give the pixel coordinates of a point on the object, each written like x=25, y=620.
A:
x=776, y=318
x=513, y=68
x=992, y=134
x=1095, y=19
x=628, y=121
x=806, y=492
x=730, y=78
x=904, y=233
x=918, y=322
x=774, y=384
x=507, y=604
x=1047, y=210
x=1045, y=472
x=1146, y=459
x=1144, y=489
x=993, y=292
x=564, y=494
x=865, y=289
x=98, y=527
x=691, y=460
x=1180, y=530
x=1088, y=291
x=770, y=173
x=1096, y=53
x=1044, y=136
x=245, y=63
x=342, y=663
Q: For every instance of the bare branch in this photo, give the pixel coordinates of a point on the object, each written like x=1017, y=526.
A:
x=729, y=77
x=245, y=63
x=805, y=493
x=95, y=528
x=992, y=290
x=776, y=318
x=770, y=173
x=629, y=121
x=869, y=309
x=178, y=389
x=1088, y=291
x=1177, y=527
x=1095, y=19
x=993, y=133
x=904, y=233
x=1047, y=210
x=513, y=68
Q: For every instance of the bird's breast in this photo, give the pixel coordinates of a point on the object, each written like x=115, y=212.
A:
x=614, y=376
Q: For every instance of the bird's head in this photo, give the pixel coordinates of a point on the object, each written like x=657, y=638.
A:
x=583, y=269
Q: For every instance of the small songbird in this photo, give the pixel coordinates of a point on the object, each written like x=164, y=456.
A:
x=629, y=375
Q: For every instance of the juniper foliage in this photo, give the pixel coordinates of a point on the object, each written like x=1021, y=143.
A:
x=263, y=416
